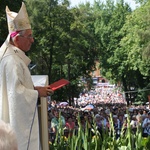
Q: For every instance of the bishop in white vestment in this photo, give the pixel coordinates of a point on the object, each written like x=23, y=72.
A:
x=18, y=96
x=18, y=99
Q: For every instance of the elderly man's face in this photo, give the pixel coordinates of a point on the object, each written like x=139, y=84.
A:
x=24, y=40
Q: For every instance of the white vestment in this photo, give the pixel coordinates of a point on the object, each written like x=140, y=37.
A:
x=18, y=99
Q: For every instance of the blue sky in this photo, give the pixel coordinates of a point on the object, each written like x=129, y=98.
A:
x=76, y=2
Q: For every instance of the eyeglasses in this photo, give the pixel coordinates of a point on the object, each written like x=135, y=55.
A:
x=28, y=37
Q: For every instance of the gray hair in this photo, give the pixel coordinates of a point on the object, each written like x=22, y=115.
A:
x=20, y=33
x=8, y=140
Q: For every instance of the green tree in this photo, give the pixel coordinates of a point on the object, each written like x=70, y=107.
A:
x=49, y=27
x=114, y=58
x=64, y=42
x=135, y=68
x=107, y=27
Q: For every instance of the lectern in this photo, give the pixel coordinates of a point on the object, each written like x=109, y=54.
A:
x=42, y=80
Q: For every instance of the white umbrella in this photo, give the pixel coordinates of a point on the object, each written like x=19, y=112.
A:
x=88, y=107
x=63, y=104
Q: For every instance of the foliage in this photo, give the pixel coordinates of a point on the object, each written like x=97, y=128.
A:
x=83, y=139
x=135, y=66
x=68, y=42
x=107, y=27
x=66, y=46
x=123, y=46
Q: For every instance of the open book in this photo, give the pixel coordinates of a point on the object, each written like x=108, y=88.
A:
x=58, y=84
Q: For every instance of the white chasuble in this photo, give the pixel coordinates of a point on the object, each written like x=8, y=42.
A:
x=18, y=99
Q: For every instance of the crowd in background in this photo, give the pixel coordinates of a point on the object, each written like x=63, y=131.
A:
x=105, y=101
x=101, y=95
x=100, y=116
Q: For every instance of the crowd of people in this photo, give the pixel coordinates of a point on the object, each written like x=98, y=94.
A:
x=108, y=94
x=100, y=116
x=18, y=95
x=19, y=98
x=106, y=101
x=69, y=116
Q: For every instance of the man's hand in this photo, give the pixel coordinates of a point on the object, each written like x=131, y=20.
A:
x=44, y=91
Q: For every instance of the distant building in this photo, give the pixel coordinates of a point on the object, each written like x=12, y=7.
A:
x=96, y=75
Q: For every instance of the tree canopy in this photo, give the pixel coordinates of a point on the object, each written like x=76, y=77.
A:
x=69, y=40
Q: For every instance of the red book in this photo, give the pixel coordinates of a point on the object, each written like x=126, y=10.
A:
x=58, y=84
